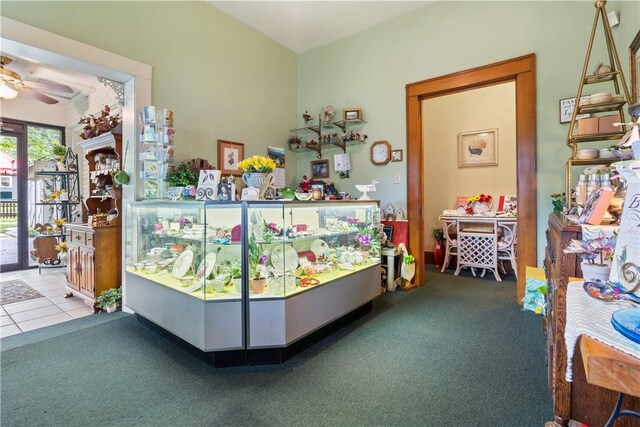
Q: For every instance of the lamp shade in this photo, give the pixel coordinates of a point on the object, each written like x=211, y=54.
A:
x=7, y=92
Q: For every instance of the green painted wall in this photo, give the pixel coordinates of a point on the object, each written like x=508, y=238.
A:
x=370, y=70
x=222, y=79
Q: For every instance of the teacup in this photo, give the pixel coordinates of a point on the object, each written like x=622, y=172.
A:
x=150, y=268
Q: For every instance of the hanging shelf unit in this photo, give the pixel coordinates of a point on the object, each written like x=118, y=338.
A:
x=586, y=80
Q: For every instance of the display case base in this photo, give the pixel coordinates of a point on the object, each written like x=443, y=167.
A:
x=261, y=356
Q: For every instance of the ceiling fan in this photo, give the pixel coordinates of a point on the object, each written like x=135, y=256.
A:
x=11, y=84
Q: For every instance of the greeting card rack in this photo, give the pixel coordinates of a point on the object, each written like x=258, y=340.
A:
x=156, y=150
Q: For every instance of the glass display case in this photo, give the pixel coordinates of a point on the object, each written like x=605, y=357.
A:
x=266, y=272
x=184, y=270
x=321, y=260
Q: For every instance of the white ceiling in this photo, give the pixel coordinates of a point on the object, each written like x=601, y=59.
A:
x=305, y=25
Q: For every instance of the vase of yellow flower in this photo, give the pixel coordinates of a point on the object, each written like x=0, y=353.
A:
x=62, y=251
x=257, y=172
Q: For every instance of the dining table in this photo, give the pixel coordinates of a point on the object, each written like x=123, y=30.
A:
x=477, y=237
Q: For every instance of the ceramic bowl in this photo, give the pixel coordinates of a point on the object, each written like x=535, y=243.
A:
x=150, y=268
x=624, y=153
x=588, y=154
x=138, y=266
x=303, y=196
x=605, y=153
x=600, y=98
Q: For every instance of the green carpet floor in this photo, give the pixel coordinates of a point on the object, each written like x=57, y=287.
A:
x=457, y=352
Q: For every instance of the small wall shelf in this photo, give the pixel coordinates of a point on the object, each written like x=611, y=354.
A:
x=331, y=134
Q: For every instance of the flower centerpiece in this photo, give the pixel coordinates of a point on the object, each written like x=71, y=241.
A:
x=599, y=249
x=257, y=172
x=59, y=223
x=478, y=204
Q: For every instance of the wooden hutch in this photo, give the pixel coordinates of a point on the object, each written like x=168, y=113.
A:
x=95, y=246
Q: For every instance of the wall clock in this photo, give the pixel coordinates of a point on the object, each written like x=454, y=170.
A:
x=380, y=152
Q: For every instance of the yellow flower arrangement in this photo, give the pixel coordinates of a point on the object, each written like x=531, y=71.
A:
x=260, y=164
x=60, y=222
x=62, y=247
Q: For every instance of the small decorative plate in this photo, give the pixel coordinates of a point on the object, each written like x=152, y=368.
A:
x=206, y=266
x=183, y=264
x=320, y=248
x=327, y=114
x=627, y=322
x=284, y=257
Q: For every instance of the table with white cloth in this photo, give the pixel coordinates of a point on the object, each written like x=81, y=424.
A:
x=477, y=237
x=619, y=368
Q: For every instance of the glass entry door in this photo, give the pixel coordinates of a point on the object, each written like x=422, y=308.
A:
x=22, y=144
x=12, y=206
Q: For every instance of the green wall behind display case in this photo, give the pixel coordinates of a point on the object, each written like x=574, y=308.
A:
x=225, y=80
x=222, y=79
x=370, y=70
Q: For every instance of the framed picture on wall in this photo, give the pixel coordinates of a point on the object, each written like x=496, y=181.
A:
x=478, y=148
x=566, y=109
x=319, y=169
x=396, y=155
x=229, y=154
x=352, y=114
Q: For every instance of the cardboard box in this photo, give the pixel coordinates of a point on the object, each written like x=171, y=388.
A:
x=588, y=126
x=605, y=124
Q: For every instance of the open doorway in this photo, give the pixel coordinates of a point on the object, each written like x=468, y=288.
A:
x=520, y=70
x=449, y=179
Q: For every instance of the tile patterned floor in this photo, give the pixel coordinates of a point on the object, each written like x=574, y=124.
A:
x=48, y=310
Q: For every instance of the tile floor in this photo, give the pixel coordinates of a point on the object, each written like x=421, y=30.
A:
x=40, y=312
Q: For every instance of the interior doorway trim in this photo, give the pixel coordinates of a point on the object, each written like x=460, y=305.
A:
x=522, y=71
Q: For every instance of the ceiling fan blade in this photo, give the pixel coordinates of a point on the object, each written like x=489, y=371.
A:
x=36, y=95
x=48, y=86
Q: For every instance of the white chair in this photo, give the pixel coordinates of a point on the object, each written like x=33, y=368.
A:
x=477, y=246
x=507, y=245
x=451, y=247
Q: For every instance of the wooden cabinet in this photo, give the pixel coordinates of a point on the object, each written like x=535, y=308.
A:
x=577, y=400
x=94, y=260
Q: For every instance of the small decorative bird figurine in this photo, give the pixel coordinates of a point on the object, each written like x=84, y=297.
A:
x=365, y=188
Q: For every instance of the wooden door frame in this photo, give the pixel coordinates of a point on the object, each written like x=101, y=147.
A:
x=522, y=71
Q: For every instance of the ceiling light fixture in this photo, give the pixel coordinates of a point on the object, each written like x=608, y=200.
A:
x=7, y=92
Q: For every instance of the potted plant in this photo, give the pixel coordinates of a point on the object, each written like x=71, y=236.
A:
x=557, y=200
x=599, y=249
x=257, y=172
x=257, y=266
x=108, y=299
x=62, y=248
x=364, y=240
x=182, y=176
x=479, y=204
x=438, y=246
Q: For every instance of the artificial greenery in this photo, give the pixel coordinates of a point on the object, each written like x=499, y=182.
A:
x=181, y=176
x=108, y=297
x=59, y=151
x=236, y=268
x=557, y=200
x=256, y=258
x=409, y=259
x=438, y=234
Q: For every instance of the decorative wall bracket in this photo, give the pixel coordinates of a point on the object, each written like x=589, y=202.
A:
x=117, y=87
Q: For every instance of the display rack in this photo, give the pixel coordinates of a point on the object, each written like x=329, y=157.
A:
x=614, y=76
x=156, y=150
x=67, y=205
x=331, y=134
